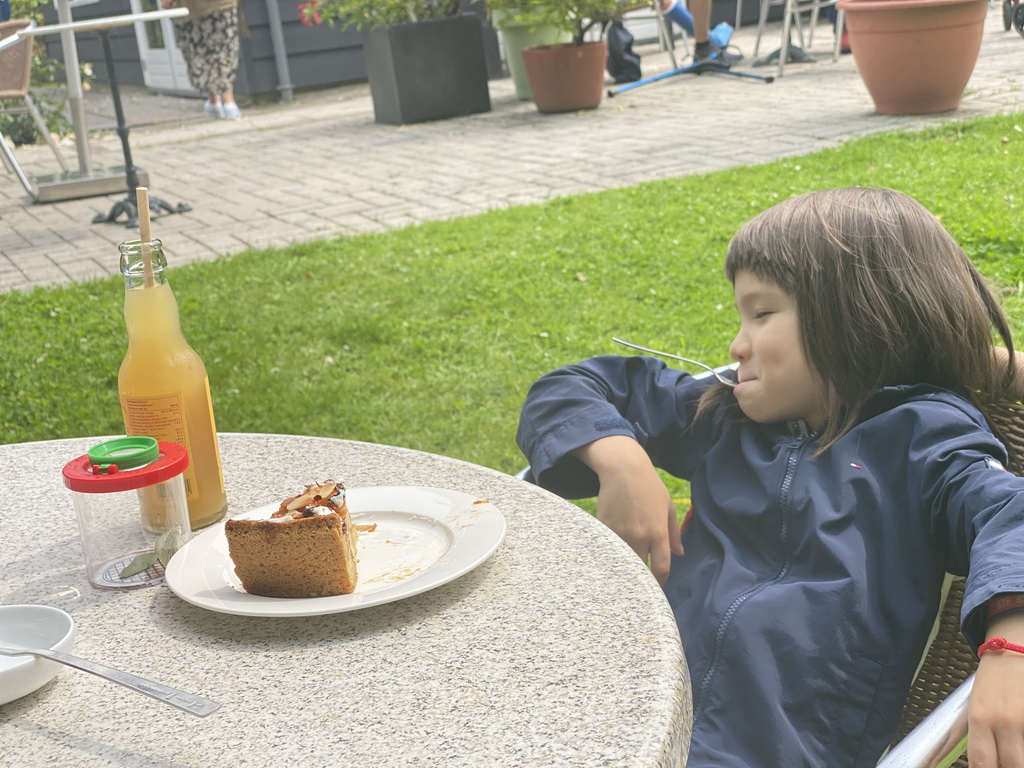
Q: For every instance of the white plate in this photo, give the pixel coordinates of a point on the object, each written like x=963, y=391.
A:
x=425, y=537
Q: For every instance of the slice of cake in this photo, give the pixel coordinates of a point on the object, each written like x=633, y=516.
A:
x=307, y=548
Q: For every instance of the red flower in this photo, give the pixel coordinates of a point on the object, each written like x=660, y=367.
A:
x=309, y=13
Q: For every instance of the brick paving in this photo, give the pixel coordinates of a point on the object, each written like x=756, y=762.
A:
x=320, y=166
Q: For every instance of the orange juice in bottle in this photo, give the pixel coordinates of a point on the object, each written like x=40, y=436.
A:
x=162, y=383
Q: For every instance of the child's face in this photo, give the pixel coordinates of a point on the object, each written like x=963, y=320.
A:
x=777, y=381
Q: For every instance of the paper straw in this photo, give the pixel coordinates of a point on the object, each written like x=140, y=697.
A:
x=145, y=234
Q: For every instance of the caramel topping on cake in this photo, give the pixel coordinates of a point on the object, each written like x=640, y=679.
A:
x=325, y=495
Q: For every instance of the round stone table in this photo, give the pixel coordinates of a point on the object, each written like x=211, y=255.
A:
x=559, y=650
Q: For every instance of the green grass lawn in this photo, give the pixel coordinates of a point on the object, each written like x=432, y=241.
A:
x=429, y=336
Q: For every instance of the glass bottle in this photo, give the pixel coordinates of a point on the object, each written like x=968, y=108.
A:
x=162, y=383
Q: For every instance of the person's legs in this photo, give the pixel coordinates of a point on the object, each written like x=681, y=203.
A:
x=231, y=109
x=220, y=38
x=190, y=39
x=697, y=22
x=213, y=107
x=711, y=42
x=228, y=39
x=832, y=14
x=701, y=11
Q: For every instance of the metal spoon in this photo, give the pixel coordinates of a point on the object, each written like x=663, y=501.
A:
x=717, y=374
x=189, y=702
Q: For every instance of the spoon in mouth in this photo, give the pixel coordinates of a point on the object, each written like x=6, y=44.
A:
x=717, y=374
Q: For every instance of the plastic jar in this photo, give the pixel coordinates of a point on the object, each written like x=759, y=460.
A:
x=129, y=498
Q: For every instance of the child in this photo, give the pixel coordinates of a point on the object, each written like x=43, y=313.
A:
x=832, y=488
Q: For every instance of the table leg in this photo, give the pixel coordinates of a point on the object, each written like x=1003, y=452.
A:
x=127, y=206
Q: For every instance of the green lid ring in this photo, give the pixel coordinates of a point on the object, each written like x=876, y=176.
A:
x=125, y=452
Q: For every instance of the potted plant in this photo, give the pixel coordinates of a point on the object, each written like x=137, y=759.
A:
x=915, y=56
x=517, y=34
x=424, y=60
x=566, y=76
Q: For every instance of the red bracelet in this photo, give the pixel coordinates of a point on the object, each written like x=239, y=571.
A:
x=999, y=644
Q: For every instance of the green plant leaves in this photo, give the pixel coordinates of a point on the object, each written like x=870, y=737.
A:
x=140, y=564
x=169, y=542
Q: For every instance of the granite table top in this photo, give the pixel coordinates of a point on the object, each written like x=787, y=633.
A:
x=559, y=650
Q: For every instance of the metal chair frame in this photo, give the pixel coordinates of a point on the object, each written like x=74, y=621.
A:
x=792, y=13
x=15, y=76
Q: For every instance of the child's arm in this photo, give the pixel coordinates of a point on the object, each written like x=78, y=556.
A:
x=636, y=397
x=996, y=712
x=633, y=501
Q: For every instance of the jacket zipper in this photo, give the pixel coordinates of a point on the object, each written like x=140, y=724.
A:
x=792, y=460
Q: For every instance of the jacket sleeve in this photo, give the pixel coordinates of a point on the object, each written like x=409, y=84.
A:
x=978, y=508
x=568, y=408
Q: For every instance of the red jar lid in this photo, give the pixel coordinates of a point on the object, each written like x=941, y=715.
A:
x=84, y=477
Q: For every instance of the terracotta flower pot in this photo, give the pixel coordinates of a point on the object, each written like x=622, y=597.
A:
x=565, y=78
x=915, y=56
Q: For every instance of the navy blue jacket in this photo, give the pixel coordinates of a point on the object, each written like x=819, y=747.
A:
x=810, y=583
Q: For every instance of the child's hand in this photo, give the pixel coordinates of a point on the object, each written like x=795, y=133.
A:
x=634, y=502
x=996, y=713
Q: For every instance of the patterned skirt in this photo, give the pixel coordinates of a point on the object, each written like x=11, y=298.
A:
x=210, y=47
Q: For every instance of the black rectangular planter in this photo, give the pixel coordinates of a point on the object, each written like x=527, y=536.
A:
x=430, y=70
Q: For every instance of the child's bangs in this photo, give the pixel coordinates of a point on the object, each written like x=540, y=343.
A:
x=758, y=249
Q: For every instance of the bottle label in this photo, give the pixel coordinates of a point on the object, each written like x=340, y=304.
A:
x=163, y=418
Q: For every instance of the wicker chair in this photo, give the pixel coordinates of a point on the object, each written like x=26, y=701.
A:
x=15, y=74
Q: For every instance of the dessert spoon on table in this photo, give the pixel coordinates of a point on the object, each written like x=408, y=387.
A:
x=717, y=374
x=188, y=702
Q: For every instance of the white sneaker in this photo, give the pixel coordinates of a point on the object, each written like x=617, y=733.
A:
x=232, y=112
x=214, y=109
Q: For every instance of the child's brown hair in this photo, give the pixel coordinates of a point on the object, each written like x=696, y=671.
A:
x=885, y=296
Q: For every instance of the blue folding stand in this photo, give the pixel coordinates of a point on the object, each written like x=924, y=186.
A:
x=699, y=68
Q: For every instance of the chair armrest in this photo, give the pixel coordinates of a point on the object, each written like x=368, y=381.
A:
x=939, y=739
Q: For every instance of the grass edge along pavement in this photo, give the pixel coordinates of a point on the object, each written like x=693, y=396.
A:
x=429, y=336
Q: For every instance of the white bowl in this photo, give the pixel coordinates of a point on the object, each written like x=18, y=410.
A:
x=34, y=626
